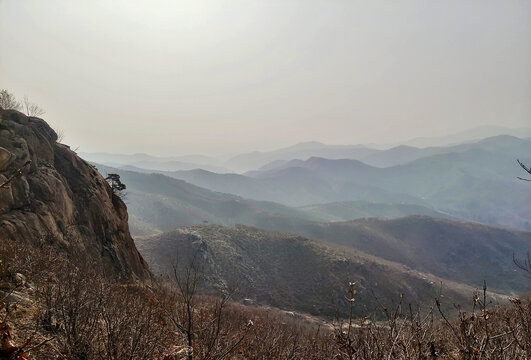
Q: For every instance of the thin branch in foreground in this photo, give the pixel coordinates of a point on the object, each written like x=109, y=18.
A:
x=18, y=173
x=524, y=167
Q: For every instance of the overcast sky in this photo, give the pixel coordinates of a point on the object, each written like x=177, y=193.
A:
x=174, y=77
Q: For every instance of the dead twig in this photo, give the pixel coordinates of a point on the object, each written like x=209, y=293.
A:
x=18, y=173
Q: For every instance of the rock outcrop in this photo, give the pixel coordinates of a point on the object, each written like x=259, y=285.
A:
x=59, y=199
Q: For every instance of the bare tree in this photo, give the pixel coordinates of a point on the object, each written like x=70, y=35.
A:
x=32, y=109
x=523, y=264
x=8, y=101
x=187, y=277
x=130, y=323
x=208, y=330
x=60, y=134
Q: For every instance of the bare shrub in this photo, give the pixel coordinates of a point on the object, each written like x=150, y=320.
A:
x=32, y=109
x=79, y=313
x=134, y=331
x=480, y=333
x=8, y=101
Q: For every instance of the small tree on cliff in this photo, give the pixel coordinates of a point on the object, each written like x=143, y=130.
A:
x=117, y=186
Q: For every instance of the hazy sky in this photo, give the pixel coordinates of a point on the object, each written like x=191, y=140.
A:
x=173, y=77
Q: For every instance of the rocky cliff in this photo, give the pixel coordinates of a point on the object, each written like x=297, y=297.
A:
x=50, y=195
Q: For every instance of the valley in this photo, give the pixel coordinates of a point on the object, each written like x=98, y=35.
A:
x=410, y=229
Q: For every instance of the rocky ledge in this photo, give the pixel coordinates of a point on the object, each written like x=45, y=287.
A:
x=50, y=195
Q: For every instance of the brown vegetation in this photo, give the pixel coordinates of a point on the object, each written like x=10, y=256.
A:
x=54, y=308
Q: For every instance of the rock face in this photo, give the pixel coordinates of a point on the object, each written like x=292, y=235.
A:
x=60, y=199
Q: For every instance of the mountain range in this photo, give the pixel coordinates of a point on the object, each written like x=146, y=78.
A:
x=476, y=184
x=298, y=253
x=372, y=154
x=422, y=220
x=158, y=203
x=436, y=244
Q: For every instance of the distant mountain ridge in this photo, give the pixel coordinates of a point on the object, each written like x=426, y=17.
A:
x=158, y=203
x=372, y=154
x=403, y=154
x=475, y=184
x=350, y=210
x=254, y=160
x=144, y=162
x=471, y=185
x=469, y=135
